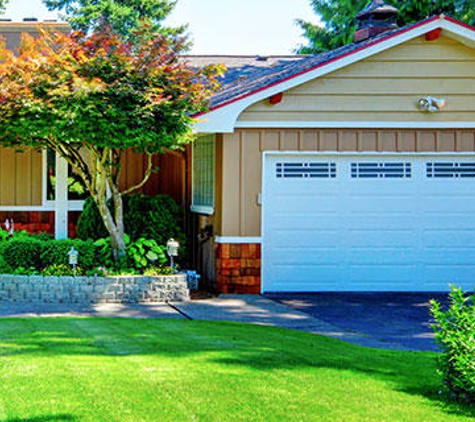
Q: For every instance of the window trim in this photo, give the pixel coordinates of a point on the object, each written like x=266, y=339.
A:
x=203, y=208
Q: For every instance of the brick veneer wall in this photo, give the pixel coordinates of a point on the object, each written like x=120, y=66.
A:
x=238, y=268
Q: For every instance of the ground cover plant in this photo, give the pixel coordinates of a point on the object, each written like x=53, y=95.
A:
x=93, y=369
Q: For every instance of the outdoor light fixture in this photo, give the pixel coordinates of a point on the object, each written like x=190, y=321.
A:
x=431, y=104
x=73, y=258
x=172, y=251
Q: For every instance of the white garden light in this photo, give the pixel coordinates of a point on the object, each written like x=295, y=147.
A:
x=172, y=251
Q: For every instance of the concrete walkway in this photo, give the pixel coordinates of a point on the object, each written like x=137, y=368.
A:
x=253, y=309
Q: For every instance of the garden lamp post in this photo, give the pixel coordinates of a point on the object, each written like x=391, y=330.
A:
x=172, y=251
x=73, y=258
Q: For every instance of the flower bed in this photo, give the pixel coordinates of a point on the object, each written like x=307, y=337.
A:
x=111, y=289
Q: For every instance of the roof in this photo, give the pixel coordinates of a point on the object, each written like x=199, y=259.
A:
x=250, y=79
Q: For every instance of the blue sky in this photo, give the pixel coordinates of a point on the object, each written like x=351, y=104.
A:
x=220, y=26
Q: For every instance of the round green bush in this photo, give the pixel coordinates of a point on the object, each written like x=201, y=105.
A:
x=23, y=252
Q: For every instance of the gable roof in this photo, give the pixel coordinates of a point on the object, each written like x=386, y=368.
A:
x=249, y=82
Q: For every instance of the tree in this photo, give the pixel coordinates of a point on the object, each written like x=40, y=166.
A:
x=91, y=98
x=338, y=19
x=123, y=16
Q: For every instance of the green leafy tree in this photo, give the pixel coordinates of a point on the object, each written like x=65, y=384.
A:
x=90, y=98
x=338, y=22
x=124, y=16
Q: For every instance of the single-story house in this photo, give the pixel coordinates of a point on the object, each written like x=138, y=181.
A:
x=351, y=170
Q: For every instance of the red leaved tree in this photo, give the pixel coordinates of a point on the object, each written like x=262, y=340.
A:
x=90, y=98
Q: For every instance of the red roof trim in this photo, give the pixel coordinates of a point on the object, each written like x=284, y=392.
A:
x=394, y=35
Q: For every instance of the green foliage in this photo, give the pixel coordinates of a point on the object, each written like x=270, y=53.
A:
x=124, y=16
x=55, y=252
x=90, y=224
x=455, y=333
x=146, y=252
x=62, y=270
x=158, y=218
x=23, y=252
x=338, y=23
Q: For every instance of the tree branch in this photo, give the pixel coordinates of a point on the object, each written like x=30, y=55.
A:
x=147, y=175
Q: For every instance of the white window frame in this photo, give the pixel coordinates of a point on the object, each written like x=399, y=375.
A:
x=49, y=204
x=203, y=174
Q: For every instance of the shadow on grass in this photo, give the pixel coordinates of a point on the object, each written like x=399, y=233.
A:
x=228, y=344
x=46, y=418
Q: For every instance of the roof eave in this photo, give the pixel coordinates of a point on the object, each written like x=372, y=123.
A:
x=223, y=117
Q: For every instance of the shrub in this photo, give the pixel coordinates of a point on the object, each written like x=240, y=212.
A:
x=455, y=333
x=23, y=252
x=158, y=218
x=55, y=252
x=90, y=225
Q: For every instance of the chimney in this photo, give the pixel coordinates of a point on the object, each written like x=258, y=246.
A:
x=374, y=19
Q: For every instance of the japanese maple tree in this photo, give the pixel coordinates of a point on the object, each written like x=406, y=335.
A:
x=90, y=98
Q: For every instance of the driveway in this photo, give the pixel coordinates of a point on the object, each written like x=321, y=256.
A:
x=400, y=320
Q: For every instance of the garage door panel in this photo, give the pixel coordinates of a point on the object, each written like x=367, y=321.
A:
x=383, y=256
x=363, y=229
x=448, y=239
x=299, y=221
x=381, y=274
x=379, y=239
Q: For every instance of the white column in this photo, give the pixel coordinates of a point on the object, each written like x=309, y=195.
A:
x=61, y=198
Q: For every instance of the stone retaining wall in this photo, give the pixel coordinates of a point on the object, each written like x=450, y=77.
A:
x=120, y=289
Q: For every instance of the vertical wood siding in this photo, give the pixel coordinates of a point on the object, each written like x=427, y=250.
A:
x=239, y=160
x=383, y=88
x=20, y=177
x=168, y=177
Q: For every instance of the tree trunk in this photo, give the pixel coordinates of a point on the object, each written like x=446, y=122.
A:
x=113, y=222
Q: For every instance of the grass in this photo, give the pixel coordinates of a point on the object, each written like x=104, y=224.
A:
x=92, y=369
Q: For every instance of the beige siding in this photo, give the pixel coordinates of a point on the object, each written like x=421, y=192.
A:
x=239, y=162
x=384, y=88
x=20, y=177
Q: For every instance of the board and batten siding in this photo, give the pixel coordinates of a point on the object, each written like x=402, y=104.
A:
x=20, y=177
x=383, y=88
x=238, y=212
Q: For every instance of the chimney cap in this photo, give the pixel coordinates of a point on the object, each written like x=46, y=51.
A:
x=377, y=7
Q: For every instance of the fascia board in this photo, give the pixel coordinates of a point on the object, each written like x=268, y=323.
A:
x=224, y=118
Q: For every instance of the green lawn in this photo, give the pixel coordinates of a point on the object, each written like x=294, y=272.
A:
x=88, y=369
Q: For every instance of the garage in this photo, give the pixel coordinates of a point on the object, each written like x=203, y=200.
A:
x=367, y=222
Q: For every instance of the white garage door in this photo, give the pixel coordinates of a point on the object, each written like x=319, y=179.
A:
x=368, y=223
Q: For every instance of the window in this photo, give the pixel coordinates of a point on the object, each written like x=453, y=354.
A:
x=203, y=175
x=76, y=188
x=381, y=170
x=291, y=170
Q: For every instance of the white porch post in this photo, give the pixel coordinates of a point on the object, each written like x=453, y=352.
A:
x=61, y=199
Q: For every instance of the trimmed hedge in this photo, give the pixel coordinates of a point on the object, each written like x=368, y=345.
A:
x=32, y=253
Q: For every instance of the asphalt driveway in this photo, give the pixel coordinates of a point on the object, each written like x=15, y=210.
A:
x=400, y=320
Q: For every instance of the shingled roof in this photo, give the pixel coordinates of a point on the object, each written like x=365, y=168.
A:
x=249, y=74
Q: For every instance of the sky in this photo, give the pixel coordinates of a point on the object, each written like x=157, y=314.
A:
x=255, y=27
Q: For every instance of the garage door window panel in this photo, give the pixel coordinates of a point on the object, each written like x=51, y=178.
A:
x=450, y=170
x=376, y=170
x=296, y=170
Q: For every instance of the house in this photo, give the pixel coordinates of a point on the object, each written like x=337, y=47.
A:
x=352, y=170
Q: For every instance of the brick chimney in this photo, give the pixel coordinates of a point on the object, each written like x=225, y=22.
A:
x=374, y=19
